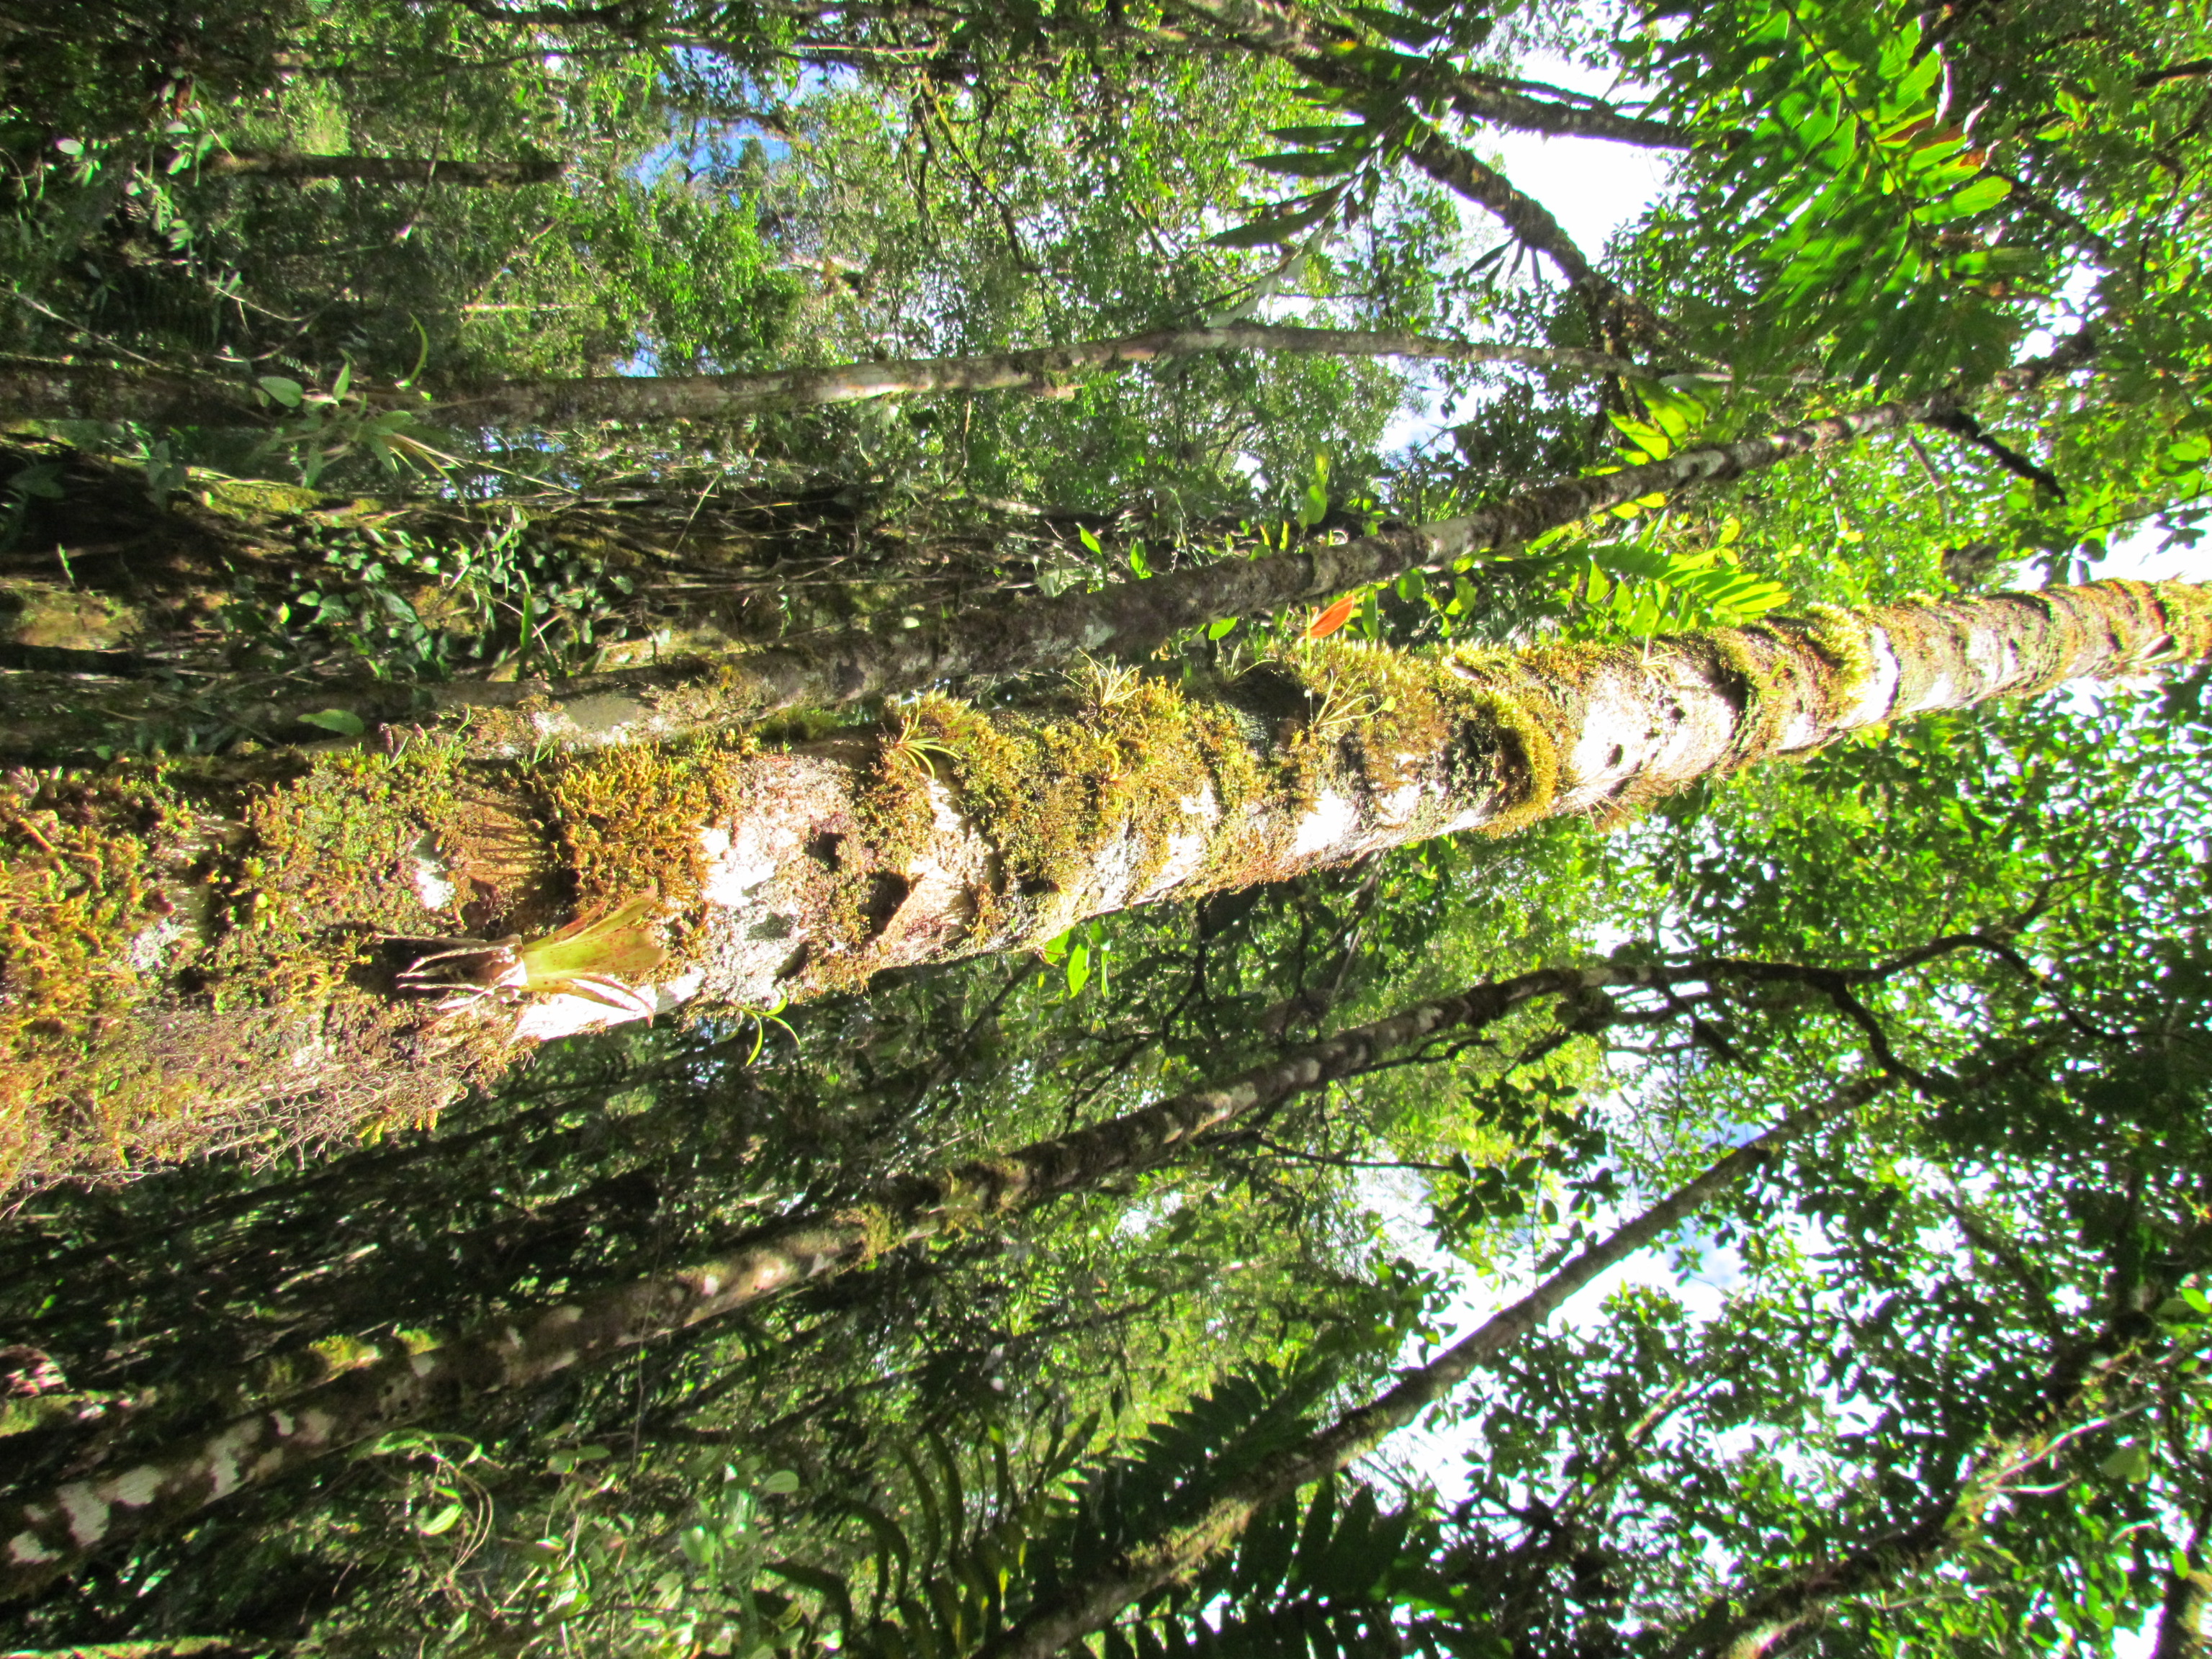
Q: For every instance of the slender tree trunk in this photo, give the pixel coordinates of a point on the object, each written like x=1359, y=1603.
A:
x=48, y=1535
x=316, y=940
x=378, y=169
x=1325, y=59
x=160, y=396
x=2085, y=1376
x=1319, y=51
x=1127, y=620
x=1045, y=1630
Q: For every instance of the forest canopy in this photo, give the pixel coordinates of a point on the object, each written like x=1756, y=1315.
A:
x=952, y=831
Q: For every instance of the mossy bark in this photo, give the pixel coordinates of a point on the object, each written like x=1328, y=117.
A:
x=197, y=953
x=290, y=168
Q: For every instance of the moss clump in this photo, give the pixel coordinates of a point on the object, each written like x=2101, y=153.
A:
x=1757, y=666
x=1124, y=762
x=1840, y=640
x=627, y=820
x=80, y=885
x=329, y=864
x=879, y=1229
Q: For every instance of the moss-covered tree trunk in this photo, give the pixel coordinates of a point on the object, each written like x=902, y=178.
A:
x=294, y=945
x=707, y=681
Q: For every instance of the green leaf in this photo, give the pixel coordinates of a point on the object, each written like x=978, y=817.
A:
x=343, y=722
x=1984, y=193
x=281, y=389
x=442, y=1521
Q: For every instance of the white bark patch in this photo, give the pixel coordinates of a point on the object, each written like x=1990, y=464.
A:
x=423, y=1363
x=134, y=1488
x=1991, y=659
x=86, y=1511
x=1325, y=826
x=733, y=873
x=566, y=1014
x=25, y=1550
x=938, y=911
x=222, y=1460
x=1630, y=722
x=428, y=875
x=1873, y=700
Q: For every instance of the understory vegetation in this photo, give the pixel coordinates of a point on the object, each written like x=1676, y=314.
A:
x=1148, y=1180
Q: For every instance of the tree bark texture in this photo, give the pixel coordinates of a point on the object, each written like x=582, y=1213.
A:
x=1046, y=1630
x=160, y=396
x=298, y=945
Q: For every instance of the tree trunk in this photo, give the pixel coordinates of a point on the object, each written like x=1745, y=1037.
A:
x=1127, y=620
x=48, y=1535
x=378, y=169
x=166, y=398
x=1317, y=51
x=526, y=1347
x=296, y=945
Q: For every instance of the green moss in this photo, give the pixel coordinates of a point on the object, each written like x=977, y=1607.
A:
x=1757, y=667
x=626, y=820
x=880, y=1231
x=2185, y=611
x=80, y=883
x=256, y=499
x=328, y=866
x=1841, y=641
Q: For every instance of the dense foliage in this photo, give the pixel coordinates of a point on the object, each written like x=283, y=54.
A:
x=1926, y=1373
